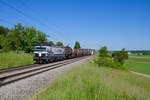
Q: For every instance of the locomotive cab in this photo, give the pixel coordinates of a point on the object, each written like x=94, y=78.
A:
x=42, y=52
x=45, y=53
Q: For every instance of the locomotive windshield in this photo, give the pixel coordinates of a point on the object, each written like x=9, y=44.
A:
x=40, y=49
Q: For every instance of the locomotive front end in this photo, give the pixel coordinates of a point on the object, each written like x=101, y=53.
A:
x=41, y=53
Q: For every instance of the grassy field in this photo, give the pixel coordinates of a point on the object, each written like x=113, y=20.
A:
x=11, y=59
x=140, y=55
x=139, y=64
x=90, y=82
x=140, y=59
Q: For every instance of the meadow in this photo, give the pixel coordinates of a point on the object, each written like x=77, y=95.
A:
x=12, y=59
x=90, y=82
x=139, y=63
x=135, y=55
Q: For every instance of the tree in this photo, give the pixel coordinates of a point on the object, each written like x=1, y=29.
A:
x=77, y=45
x=120, y=56
x=123, y=51
x=103, y=52
x=3, y=33
x=51, y=42
x=2, y=41
x=2, y=30
x=68, y=45
x=21, y=38
x=29, y=39
x=13, y=41
x=41, y=37
x=20, y=31
x=59, y=43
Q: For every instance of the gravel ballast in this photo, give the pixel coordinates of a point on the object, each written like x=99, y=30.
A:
x=26, y=88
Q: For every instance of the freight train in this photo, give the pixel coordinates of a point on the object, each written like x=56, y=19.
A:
x=45, y=53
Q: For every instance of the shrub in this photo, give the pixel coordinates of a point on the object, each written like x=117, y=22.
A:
x=103, y=52
x=107, y=62
x=120, y=56
x=146, y=53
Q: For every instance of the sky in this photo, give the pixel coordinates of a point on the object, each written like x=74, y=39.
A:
x=116, y=24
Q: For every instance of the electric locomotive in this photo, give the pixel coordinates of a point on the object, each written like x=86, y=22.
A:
x=45, y=53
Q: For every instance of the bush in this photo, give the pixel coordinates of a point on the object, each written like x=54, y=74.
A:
x=107, y=62
x=146, y=53
x=103, y=52
x=120, y=56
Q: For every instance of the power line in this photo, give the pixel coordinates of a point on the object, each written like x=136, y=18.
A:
x=24, y=14
x=5, y=21
x=4, y=12
x=35, y=12
x=20, y=12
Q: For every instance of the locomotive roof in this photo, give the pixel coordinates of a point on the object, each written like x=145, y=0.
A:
x=42, y=44
x=46, y=44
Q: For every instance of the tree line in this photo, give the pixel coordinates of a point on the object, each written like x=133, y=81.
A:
x=24, y=38
x=20, y=38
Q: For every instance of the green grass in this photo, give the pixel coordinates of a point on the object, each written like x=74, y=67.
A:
x=139, y=55
x=140, y=59
x=139, y=64
x=90, y=82
x=11, y=59
x=138, y=67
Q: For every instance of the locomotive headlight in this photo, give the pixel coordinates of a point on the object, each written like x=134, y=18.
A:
x=40, y=54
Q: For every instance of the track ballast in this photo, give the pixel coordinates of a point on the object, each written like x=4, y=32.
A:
x=12, y=75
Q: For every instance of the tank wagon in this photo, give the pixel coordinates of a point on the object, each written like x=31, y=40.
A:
x=68, y=52
x=45, y=53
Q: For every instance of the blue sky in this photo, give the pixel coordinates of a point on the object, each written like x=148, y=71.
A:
x=94, y=23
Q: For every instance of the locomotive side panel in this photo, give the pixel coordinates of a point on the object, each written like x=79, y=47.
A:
x=58, y=53
x=74, y=52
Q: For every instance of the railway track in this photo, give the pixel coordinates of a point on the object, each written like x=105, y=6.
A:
x=14, y=74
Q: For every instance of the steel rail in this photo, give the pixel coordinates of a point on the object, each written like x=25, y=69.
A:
x=22, y=75
x=20, y=69
x=17, y=68
x=26, y=66
x=28, y=69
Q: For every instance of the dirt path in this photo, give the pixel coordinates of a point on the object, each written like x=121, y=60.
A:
x=145, y=75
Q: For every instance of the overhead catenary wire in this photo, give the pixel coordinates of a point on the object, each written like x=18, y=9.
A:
x=36, y=13
x=5, y=21
x=55, y=26
x=9, y=21
x=20, y=12
x=23, y=14
x=6, y=3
